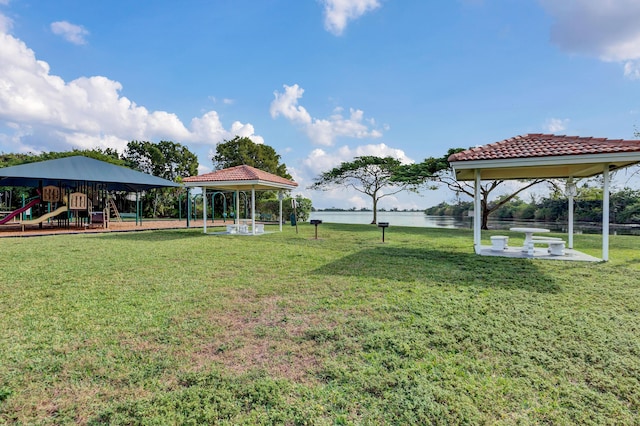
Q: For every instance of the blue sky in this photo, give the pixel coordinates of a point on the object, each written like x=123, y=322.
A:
x=321, y=81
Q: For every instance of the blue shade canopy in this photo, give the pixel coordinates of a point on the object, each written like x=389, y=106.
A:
x=72, y=171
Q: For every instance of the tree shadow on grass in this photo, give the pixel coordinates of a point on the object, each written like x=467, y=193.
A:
x=390, y=231
x=155, y=234
x=439, y=267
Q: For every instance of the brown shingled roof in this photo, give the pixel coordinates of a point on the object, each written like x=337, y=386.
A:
x=241, y=173
x=546, y=145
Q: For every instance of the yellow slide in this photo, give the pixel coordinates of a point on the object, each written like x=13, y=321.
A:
x=42, y=218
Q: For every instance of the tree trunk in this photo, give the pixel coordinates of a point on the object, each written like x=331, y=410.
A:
x=485, y=220
x=375, y=210
x=485, y=213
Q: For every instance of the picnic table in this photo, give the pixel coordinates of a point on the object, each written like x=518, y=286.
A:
x=528, y=237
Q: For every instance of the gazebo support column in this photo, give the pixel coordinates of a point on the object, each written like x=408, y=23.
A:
x=240, y=179
x=280, y=197
x=571, y=192
x=237, y=207
x=138, y=209
x=204, y=209
x=605, y=213
x=477, y=214
x=253, y=210
x=570, y=221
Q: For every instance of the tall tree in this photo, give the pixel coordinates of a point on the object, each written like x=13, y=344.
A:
x=242, y=150
x=109, y=155
x=447, y=177
x=376, y=177
x=166, y=159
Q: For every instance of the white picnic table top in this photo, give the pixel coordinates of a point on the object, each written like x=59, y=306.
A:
x=528, y=236
x=530, y=230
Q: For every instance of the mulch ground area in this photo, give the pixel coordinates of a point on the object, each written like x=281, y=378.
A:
x=13, y=229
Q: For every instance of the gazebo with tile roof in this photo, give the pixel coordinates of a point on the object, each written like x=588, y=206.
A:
x=546, y=156
x=240, y=178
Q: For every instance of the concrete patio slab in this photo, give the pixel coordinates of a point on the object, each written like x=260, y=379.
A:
x=539, y=253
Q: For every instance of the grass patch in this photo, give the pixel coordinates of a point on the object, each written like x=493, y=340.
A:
x=179, y=327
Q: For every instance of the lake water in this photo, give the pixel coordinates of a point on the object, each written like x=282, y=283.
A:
x=419, y=219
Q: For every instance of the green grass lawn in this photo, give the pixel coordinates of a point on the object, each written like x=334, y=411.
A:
x=177, y=327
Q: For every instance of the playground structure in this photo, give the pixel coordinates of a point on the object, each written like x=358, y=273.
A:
x=75, y=205
x=26, y=207
x=63, y=207
x=86, y=183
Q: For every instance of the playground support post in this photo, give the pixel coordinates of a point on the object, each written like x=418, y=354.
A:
x=224, y=206
x=138, y=208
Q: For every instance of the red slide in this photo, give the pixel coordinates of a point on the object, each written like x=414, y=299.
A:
x=11, y=215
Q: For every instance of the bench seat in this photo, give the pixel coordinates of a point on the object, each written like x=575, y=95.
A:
x=556, y=246
x=499, y=242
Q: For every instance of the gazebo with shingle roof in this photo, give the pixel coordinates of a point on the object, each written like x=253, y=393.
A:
x=240, y=178
x=546, y=156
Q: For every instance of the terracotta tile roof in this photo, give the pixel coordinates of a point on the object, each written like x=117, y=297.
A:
x=546, y=145
x=240, y=173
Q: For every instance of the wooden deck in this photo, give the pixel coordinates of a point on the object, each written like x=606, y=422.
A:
x=13, y=229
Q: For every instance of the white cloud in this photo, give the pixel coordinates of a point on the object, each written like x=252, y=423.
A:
x=225, y=101
x=73, y=33
x=606, y=29
x=286, y=104
x=632, y=70
x=555, y=125
x=338, y=13
x=39, y=111
x=321, y=131
x=5, y=23
x=358, y=202
x=319, y=160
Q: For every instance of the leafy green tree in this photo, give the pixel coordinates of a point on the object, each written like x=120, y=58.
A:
x=303, y=208
x=625, y=206
x=629, y=214
x=487, y=206
x=243, y=151
x=440, y=170
x=376, y=177
x=165, y=159
x=109, y=155
x=270, y=208
x=460, y=209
